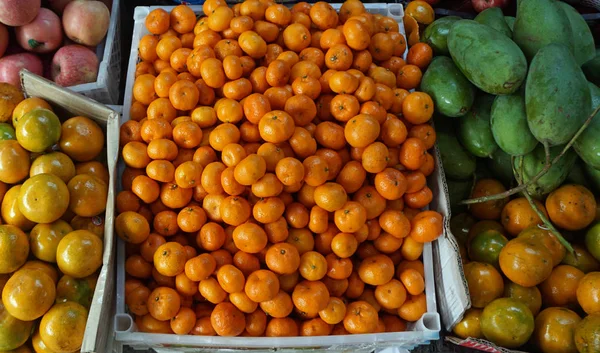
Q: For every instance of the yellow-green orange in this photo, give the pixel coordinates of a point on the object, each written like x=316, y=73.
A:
x=587, y=334
x=13, y=332
x=26, y=106
x=14, y=162
x=507, y=322
x=56, y=163
x=79, y=253
x=11, y=214
x=44, y=239
x=63, y=326
x=14, y=248
x=43, y=198
x=87, y=195
x=28, y=294
x=38, y=130
x=79, y=290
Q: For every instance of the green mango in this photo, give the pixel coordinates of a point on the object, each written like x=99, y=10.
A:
x=587, y=144
x=474, y=129
x=577, y=175
x=436, y=34
x=458, y=190
x=458, y=163
x=494, y=18
x=582, y=39
x=534, y=162
x=500, y=165
x=539, y=23
x=450, y=90
x=489, y=59
x=510, y=21
x=557, y=96
x=594, y=175
x=509, y=125
x=591, y=69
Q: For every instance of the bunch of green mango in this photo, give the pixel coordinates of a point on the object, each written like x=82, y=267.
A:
x=512, y=89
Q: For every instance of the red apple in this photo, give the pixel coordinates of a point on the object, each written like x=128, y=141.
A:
x=3, y=39
x=43, y=35
x=480, y=5
x=12, y=64
x=18, y=12
x=86, y=22
x=74, y=65
x=58, y=6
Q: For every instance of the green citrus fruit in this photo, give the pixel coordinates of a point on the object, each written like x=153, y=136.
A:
x=38, y=130
x=43, y=198
x=592, y=241
x=507, y=322
x=7, y=132
x=486, y=247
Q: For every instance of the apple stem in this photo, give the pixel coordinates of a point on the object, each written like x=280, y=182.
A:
x=33, y=43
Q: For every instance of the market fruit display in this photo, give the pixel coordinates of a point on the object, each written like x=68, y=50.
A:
x=276, y=163
x=521, y=170
x=65, y=37
x=51, y=232
x=532, y=269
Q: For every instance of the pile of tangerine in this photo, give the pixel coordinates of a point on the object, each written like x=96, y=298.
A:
x=276, y=173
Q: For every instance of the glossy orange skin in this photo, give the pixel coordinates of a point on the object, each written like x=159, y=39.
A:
x=485, y=283
x=560, y=288
x=548, y=240
x=469, y=326
x=525, y=262
x=518, y=215
x=571, y=207
x=588, y=293
x=554, y=328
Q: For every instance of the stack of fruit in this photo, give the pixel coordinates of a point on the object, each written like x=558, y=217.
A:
x=511, y=280
x=511, y=92
x=271, y=187
x=40, y=46
x=53, y=193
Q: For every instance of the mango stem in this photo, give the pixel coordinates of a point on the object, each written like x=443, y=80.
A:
x=542, y=172
x=541, y=214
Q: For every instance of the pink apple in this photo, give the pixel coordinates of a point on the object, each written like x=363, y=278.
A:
x=480, y=5
x=43, y=34
x=74, y=65
x=86, y=22
x=58, y=6
x=18, y=12
x=3, y=39
x=108, y=4
x=12, y=64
